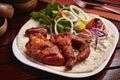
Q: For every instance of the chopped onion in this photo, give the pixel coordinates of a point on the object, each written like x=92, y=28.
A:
x=99, y=33
x=55, y=28
x=71, y=16
x=81, y=14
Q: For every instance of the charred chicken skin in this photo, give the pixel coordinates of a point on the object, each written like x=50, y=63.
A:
x=65, y=42
x=41, y=49
x=57, y=51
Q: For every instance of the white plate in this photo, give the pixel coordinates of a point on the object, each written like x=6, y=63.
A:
x=26, y=61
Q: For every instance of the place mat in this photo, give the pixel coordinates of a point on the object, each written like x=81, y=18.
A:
x=98, y=11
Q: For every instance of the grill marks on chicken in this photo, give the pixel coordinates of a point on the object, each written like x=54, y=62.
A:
x=58, y=51
x=41, y=49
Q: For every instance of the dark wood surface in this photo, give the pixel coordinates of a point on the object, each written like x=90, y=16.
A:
x=12, y=69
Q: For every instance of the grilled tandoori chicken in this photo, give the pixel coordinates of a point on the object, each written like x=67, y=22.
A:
x=65, y=42
x=41, y=49
x=58, y=51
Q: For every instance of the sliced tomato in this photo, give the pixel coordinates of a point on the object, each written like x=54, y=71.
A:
x=95, y=23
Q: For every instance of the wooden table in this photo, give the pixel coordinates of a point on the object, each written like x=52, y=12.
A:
x=12, y=69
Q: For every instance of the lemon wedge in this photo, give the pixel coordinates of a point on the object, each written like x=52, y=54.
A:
x=79, y=25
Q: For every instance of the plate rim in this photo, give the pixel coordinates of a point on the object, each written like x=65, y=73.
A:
x=28, y=62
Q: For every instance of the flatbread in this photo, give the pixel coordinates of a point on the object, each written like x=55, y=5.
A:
x=95, y=59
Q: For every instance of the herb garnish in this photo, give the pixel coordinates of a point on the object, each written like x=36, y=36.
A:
x=49, y=15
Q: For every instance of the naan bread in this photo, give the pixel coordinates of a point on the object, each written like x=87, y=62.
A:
x=95, y=59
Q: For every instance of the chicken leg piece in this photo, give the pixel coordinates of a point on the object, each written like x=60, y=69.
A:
x=41, y=49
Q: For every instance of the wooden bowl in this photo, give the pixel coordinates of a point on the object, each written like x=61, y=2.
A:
x=6, y=10
x=3, y=27
x=25, y=7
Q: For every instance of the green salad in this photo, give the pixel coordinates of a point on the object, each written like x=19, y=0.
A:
x=60, y=18
x=69, y=18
